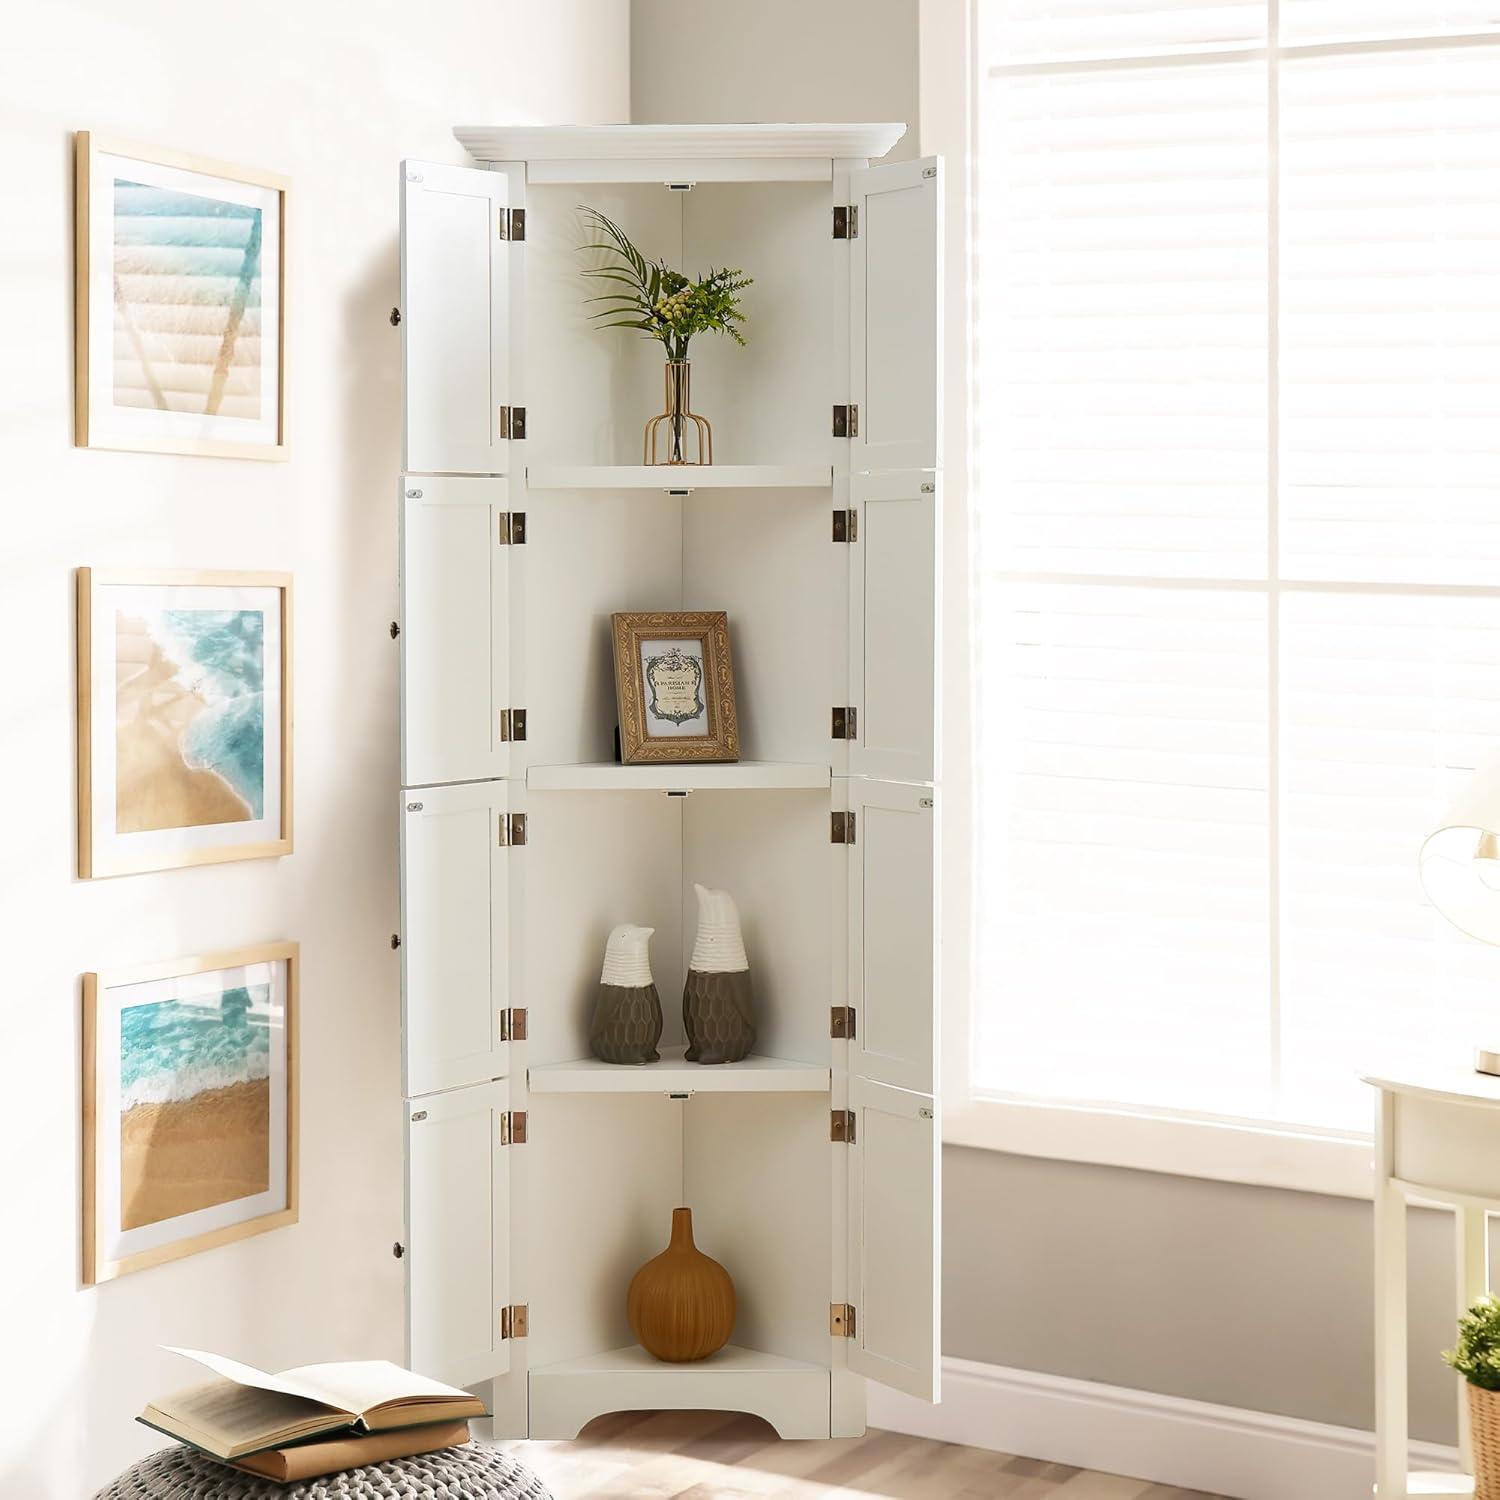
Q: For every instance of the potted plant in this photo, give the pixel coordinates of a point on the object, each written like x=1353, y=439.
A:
x=665, y=305
x=1477, y=1359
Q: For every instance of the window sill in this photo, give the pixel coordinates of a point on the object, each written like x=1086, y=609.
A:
x=1262, y=1155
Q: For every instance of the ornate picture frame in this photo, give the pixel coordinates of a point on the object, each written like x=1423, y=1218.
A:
x=674, y=683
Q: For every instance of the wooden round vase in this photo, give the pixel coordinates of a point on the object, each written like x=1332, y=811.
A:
x=681, y=1302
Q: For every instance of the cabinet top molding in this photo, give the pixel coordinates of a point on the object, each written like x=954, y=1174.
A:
x=675, y=142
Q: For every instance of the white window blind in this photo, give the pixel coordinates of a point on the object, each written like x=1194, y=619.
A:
x=1238, y=524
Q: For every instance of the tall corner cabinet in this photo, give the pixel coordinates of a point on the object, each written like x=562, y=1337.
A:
x=537, y=1179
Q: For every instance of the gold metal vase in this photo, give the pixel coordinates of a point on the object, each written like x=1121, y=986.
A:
x=674, y=422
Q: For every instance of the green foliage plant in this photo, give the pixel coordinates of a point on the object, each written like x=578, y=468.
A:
x=662, y=303
x=1477, y=1357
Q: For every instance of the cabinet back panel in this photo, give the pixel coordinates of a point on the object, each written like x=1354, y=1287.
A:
x=592, y=861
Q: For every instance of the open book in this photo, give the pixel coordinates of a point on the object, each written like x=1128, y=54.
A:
x=247, y=1410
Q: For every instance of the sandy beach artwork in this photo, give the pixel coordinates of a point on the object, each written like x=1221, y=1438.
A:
x=185, y=754
x=180, y=302
x=191, y=1101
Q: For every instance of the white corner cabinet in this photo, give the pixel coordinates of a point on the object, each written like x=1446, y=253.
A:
x=538, y=1180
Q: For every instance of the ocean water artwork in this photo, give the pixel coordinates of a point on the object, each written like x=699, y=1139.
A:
x=190, y=732
x=187, y=284
x=195, y=1101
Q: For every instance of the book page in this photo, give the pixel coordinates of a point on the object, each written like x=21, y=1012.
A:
x=286, y=1383
x=364, y=1384
x=225, y=1416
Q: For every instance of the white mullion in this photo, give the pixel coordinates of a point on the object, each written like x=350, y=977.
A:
x=1273, y=528
x=1250, y=585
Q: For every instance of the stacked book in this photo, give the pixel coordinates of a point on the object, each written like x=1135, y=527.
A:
x=316, y=1419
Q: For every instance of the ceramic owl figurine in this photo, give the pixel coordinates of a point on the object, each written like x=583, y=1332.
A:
x=627, y=1018
x=716, y=1009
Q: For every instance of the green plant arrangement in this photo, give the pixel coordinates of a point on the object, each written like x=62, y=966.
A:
x=1477, y=1359
x=665, y=305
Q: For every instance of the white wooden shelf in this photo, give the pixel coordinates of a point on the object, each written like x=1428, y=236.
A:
x=1437, y=1482
x=679, y=477
x=744, y=775
x=786, y=1392
x=706, y=143
x=673, y=1075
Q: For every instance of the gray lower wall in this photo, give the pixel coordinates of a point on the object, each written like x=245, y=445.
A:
x=1249, y=1297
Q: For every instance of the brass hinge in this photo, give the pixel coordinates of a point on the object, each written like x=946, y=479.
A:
x=842, y=828
x=846, y=222
x=841, y=1126
x=512, y=724
x=518, y=828
x=846, y=724
x=513, y=1128
x=841, y=1023
x=846, y=525
x=513, y=1025
x=512, y=422
x=846, y=421
x=841, y=1319
x=511, y=528
x=512, y=223
x=515, y=1321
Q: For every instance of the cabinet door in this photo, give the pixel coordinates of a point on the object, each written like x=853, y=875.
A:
x=455, y=606
x=454, y=915
x=457, y=1234
x=895, y=320
x=455, y=316
x=893, y=642
x=894, y=1265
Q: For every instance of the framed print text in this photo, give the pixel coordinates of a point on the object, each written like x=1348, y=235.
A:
x=189, y=1106
x=180, y=292
x=184, y=719
x=674, y=682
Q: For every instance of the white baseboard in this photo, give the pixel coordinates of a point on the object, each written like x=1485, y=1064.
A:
x=1224, y=1450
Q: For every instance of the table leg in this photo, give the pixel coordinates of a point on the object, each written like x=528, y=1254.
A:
x=1390, y=1311
x=1471, y=1244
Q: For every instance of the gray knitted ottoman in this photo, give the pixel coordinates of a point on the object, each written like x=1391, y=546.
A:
x=467, y=1473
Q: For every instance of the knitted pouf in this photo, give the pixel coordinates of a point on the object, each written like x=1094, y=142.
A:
x=467, y=1473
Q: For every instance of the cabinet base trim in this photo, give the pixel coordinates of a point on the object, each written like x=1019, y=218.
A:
x=1170, y=1440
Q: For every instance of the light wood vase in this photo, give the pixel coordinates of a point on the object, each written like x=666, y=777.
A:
x=1484, y=1430
x=681, y=1303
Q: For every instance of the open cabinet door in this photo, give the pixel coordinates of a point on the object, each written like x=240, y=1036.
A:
x=895, y=317
x=894, y=1165
x=455, y=319
x=457, y=1244
x=455, y=972
x=455, y=606
x=893, y=624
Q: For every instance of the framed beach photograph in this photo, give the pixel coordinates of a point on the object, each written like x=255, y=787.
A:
x=180, y=303
x=184, y=719
x=189, y=1106
x=674, y=682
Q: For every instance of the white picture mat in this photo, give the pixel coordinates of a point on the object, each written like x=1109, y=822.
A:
x=665, y=729
x=119, y=1243
x=106, y=420
x=114, y=598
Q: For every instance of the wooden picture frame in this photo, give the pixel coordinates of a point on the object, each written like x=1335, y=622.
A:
x=158, y=1088
x=674, y=683
x=170, y=687
x=180, y=334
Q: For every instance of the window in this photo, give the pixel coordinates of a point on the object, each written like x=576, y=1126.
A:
x=1237, y=467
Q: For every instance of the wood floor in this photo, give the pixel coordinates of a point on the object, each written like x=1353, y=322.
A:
x=718, y=1456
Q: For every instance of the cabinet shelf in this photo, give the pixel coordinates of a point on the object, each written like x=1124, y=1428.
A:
x=687, y=477
x=744, y=775
x=672, y=1075
x=789, y=1394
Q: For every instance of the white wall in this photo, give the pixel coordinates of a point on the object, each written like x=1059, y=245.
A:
x=332, y=94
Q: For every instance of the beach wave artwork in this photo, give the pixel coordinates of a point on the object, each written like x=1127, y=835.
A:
x=190, y=718
x=195, y=1102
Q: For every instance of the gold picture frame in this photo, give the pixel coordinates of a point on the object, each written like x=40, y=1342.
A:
x=148, y=1108
x=674, y=684
x=179, y=335
x=167, y=774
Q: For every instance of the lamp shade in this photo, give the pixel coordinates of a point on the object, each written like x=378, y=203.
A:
x=1461, y=861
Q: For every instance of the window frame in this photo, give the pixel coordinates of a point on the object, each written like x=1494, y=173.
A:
x=1265, y=1153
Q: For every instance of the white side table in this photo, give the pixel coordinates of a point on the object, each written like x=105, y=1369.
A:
x=1437, y=1141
